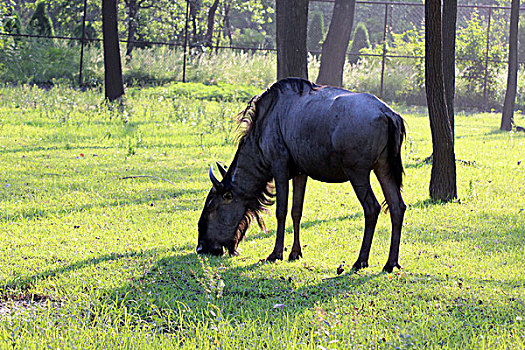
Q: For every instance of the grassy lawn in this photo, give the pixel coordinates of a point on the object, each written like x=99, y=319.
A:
x=90, y=260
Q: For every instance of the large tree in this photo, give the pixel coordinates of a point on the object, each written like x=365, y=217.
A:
x=291, y=24
x=443, y=174
x=333, y=53
x=507, y=119
x=114, y=87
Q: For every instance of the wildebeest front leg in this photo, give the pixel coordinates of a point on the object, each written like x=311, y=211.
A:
x=299, y=187
x=281, y=187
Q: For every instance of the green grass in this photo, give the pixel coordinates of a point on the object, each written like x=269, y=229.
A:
x=91, y=261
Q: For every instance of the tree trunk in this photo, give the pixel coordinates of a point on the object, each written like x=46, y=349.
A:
x=211, y=22
x=450, y=11
x=443, y=174
x=333, y=53
x=226, y=25
x=291, y=25
x=507, y=119
x=114, y=87
x=195, y=6
x=132, y=26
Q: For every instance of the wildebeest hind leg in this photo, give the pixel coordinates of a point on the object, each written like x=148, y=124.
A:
x=299, y=187
x=397, y=209
x=361, y=184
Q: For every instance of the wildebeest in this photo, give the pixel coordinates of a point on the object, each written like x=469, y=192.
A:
x=294, y=130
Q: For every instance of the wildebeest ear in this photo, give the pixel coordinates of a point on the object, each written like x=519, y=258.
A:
x=222, y=169
x=216, y=183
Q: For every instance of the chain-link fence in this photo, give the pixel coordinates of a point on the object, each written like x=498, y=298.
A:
x=393, y=51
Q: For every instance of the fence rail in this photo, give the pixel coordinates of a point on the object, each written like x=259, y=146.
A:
x=388, y=9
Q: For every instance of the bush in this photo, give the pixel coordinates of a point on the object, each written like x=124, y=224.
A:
x=90, y=33
x=360, y=41
x=38, y=64
x=40, y=23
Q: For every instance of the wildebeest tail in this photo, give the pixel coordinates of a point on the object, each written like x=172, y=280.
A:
x=396, y=135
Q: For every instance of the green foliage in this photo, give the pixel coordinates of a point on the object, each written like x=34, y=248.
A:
x=89, y=33
x=8, y=20
x=68, y=14
x=471, y=51
x=252, y=22
x=38, y=64
x=360, y=41
x=315, y=32
x=40, y=22
x=248, y=37
x=92, y=261
x=219, y=92
x=12, y=23
x=411, y=43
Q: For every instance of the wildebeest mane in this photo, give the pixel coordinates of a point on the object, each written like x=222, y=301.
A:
x=255, y=111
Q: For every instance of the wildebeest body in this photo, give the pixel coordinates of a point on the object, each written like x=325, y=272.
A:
x=322, y=133
x=297, y=130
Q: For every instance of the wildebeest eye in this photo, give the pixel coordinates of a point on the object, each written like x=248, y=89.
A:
x=227, y=196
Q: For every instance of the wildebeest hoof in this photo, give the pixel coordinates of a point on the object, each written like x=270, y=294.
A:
x=390, y=267
x=295, y=255
x=274, y=256
x=359, y=265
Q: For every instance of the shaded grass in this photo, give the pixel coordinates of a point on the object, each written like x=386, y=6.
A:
x=105, y=262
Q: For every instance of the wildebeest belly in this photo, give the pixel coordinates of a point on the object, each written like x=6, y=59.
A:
x=321, y=166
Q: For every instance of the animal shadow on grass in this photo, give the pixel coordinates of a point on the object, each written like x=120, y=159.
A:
x=194, y=281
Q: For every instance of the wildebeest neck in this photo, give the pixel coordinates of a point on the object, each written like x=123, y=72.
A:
x=249, y=175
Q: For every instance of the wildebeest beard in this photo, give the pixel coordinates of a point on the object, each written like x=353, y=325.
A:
x=255, y=208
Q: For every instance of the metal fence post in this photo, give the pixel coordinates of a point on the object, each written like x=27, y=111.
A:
x=383, y=60
x=485, y=79
x=82, y=45
x=185, y=41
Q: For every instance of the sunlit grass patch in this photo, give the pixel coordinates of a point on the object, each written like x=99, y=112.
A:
x=88, y=258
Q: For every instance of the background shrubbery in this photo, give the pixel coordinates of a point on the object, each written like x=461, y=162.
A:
x=48, y=62
x=29, y=62
x=51, y=61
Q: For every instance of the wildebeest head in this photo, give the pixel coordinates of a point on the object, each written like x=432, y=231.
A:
x=224, y=219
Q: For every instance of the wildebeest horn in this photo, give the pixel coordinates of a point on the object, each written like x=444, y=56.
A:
x=216, y=183
x=222, y=169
